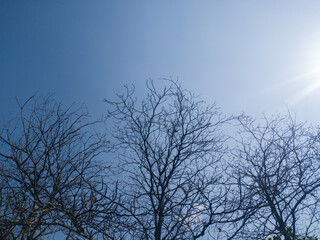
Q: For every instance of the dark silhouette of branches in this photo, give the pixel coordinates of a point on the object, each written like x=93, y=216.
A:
x=276, y=167
x=170, y=146
x=175, y=176
x=51, y=179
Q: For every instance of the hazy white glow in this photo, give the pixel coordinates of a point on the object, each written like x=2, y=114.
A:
x=306, y=91
x=298, y=78
x=310, y=80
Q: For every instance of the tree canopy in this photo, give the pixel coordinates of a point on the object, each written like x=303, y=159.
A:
x=174, y=172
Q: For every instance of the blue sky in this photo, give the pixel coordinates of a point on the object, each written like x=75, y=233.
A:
x=251, y=56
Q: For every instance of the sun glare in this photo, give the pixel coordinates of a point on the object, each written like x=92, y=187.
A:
x=306, y=84
x=309, y=89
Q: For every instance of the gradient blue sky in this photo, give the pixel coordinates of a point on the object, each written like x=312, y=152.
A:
x=252, y=56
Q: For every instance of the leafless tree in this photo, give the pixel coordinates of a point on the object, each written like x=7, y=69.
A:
x=50, y=176
x=170, y=145
x=176, y=177
x=276, y=169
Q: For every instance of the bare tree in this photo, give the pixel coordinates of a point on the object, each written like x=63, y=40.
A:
x=174, y=183
x=50, y=177
x=276, y=168
x=170, y=146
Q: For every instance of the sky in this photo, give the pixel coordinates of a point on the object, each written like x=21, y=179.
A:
x=251, y=56
x=248, y=56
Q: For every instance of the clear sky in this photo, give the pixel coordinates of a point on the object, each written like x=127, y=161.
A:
x=252, y=56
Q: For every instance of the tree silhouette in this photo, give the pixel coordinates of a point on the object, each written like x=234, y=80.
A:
x=50, y=178
x=276, y=167
x=170, y=146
